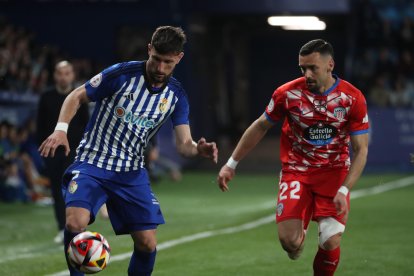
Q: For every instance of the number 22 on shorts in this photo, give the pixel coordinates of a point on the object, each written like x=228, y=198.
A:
x=294, y=189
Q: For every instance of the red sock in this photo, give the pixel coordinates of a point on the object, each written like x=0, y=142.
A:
x=326, y=262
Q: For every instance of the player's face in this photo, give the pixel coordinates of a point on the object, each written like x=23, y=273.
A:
x=64, y=77
x=160, y=67
x=317, y=70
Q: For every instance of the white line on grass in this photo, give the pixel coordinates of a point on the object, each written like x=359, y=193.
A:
x=400, y=183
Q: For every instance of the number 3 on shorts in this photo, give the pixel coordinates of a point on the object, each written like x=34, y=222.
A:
x=294, y=189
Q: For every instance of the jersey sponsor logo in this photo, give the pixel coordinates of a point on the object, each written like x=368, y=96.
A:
x=319, y=105
x=339, y=113
x=279, y=209
x=73, y=186
x=271, y=105
x=133, y=119
x=163, y=105
x=96, y=80
x=320, y=134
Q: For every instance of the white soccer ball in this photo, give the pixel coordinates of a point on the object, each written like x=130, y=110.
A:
x=89, y=252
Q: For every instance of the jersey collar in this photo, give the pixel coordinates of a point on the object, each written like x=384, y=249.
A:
x=332, y=88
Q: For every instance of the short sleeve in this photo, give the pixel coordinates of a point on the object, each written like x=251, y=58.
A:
x=104, y=84
x=358, y=118
x=276, y=109
x=181, y=111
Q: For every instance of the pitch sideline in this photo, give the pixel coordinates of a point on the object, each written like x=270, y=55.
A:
x=400, y=183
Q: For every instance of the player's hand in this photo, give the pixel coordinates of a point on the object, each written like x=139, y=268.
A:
x=56, y=139
x=341, y=204
x=207, y=150
x=225, y=175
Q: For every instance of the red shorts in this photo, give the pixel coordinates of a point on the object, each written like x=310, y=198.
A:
x=309, y=195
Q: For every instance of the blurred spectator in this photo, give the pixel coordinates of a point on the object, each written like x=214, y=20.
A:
x=406, y=34
x=388, y=34
x=402, y=94
x=406, y=64
x=25, y=66
x=364, y=70
x=48, y=113
x=379, y=93
x=159, y=165
x=19, y=180
x=385, y=64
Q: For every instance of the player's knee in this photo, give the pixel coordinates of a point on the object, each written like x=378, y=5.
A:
x=333, y=242
x=146, y=244
x=330, y=232
x=290, y=243
x=76, y=222
x=75, y=225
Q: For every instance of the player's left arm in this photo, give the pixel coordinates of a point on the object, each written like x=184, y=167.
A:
x=359, y=128
x=187, y=147
x=359, y=144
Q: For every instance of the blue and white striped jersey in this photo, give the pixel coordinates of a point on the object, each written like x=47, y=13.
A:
x=127, y=114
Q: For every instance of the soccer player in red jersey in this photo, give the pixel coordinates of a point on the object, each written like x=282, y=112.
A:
x=322, y=114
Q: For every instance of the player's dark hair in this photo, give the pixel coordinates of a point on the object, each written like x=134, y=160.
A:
x=168, y=40
x=317, y=46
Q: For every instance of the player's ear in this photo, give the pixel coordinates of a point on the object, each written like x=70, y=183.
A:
x=149, y=49
x=331, y=65
x=180, y=56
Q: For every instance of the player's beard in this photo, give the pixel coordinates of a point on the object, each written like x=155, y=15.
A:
x=312, y=85
x=158, y=79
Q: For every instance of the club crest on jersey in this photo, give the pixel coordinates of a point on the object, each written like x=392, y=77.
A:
x=163, y=105
x=96, y=80
x=339, y=113
x=130, y=118
x=73, y=186
x=279, y=209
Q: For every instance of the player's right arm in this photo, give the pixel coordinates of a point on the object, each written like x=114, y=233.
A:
x=250, y=138
x=59, y=137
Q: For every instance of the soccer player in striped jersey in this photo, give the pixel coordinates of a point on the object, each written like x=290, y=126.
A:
x=322, y=114
x=133, y=99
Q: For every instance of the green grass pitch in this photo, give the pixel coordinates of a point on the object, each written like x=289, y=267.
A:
x=377, y=240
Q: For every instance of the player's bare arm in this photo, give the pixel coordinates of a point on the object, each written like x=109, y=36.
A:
x=59, y=137
x=250, y=138
x=359, y=145
x=187, y=147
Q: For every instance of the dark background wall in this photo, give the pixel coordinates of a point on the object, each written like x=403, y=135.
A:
x=233, y=59
x=216, y=29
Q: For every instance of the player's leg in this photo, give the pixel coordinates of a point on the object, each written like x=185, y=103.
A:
x=134, y=210
x=145, y=249
x=83, y=197
x=331, y=226
x=292, y=236
x=327, y=258
x=294, y=211
x=77, y=219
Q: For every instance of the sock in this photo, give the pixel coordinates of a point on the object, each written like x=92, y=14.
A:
x=141, y=263
x=326, y=262
x=68, y=236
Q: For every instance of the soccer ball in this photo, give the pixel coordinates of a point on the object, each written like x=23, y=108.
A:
x=89, y=252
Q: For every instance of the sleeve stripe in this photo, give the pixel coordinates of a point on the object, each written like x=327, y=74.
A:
x=269, y=118
x=359, y=132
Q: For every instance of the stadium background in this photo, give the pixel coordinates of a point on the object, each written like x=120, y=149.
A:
x=233, y=62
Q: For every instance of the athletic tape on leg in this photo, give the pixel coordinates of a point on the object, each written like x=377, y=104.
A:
x=329, y=227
